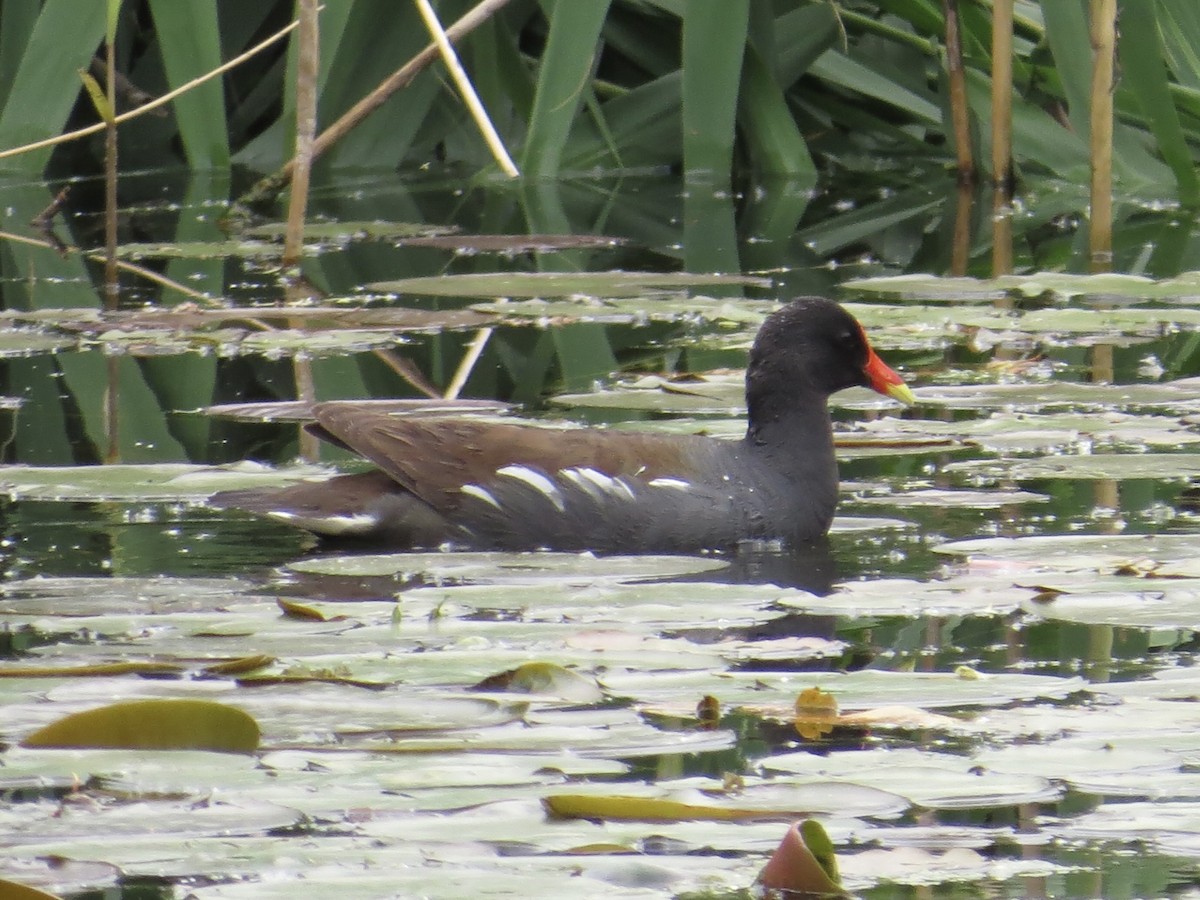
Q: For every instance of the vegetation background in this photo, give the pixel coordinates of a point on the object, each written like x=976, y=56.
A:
x=710, y=87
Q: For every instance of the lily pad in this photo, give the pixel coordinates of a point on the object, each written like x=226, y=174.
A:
x=237, y=249
x=631, y=310
x=768, y=800
x=710, y=394
x=1170, y=608
x=1170, y=553
x=153, y=725
x=1060, y=285
x=1119, y=466
x=864, y=689
x=1003, y=431
x=560, y=284
x=976, y=595
x=510, y=568
x=347, y=232
x=152, y=482
x=1174, y=395
x=511, y=244
x=932, y=780
x=301, y=411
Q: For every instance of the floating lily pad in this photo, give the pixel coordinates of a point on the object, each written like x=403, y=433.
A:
x=1030, y=432
x=544, y=678
x=301, y=411
x=188, y=818
x=1181, y=395
x=947, y=497
x=1061, y=285
x=853, y=690
x=933, y=780
x=560, y=284
x=711, y=394
x=633, y=310
x=511, y=568
x=153, y=725
x=144, y=771
x=1170, y=608
x=977, y=595
x=769, y=800
x=154, y=482
x=19, y=342
x=919, y=286
x=347, y=232
x=1167, y=554
x=1119, y=466
x=239, y=249
x=511, y=244
x=1078, y=758
x=923, y=867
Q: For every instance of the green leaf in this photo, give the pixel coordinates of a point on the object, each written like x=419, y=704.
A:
x=858, y=76
x=110, y=26
x=563, y=78
x=775, y=141
x=1180, y=32
x=714, y=41
x=153, y=725
x=96, y=93
x=1070, y=41
x=189, y=40
x=42, y=93
x=1144, y=70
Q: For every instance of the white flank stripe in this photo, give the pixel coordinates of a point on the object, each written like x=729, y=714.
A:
x=474, y=490
x=537, y=481
x=575, y=476
x=614, y=487
x=330, y=526
x=677, y=483
x=622, y=488
x=599, y=479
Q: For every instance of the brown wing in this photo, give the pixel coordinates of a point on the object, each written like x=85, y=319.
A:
x=433, y=458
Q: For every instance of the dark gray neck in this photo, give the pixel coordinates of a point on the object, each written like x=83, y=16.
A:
x=796, y=443
x=789, y=423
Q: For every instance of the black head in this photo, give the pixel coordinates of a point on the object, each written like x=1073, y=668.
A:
x=808, y=350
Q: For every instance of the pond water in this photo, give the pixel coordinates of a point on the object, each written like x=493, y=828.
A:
x=1005, y=612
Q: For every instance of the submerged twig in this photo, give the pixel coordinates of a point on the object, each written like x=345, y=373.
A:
x=465, y=367
x=405, y=368
x=44, y=222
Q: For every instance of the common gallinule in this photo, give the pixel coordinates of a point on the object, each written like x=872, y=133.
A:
x=477, y=484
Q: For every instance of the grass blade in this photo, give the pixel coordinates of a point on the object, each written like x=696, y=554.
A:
x=563, y=76
x=714, y=42
x=63, y=40
x=1144, y=71
x=189, y=40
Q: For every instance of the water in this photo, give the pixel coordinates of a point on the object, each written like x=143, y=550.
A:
x=958, y=635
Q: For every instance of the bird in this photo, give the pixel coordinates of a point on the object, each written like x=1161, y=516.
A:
x=463, y=483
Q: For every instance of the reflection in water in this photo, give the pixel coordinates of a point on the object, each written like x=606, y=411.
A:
x=810, y=567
